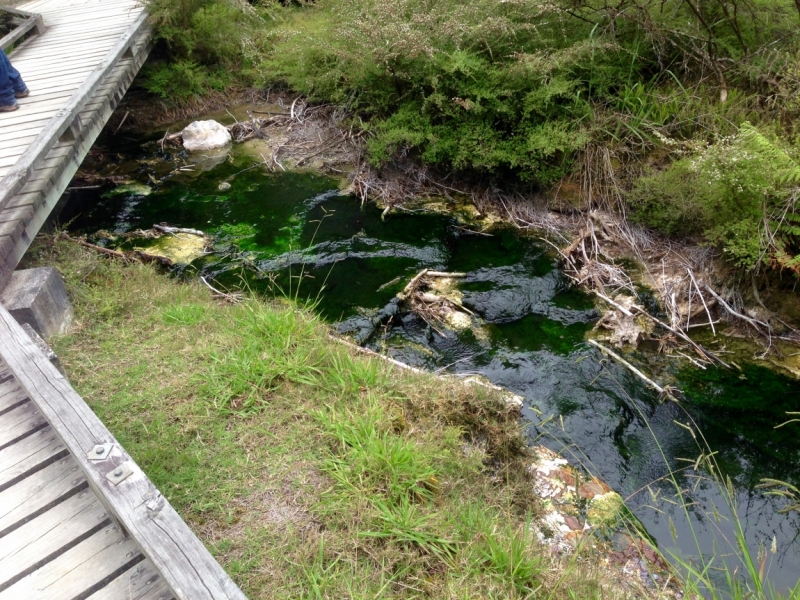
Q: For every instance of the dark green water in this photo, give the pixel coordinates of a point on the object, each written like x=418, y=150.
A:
x=277, y=231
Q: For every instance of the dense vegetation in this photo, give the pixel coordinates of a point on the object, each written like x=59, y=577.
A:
x=686, y=107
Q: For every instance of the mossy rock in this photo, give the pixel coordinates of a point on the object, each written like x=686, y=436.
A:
x=606, y=510
x=180, y=248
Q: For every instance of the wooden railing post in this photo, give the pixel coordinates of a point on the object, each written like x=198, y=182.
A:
x=31, y=21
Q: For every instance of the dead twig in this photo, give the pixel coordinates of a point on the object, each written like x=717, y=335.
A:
x=631, y=368
x=234, y=298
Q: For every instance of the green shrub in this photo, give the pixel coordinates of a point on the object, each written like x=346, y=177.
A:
x=183, y=79
x=520, y=87
x=211, y=44
x=485, y=86
x=669, y=201
x=741, y=193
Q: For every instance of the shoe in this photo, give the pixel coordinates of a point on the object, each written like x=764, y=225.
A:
x=24, y=94
x=9, y=107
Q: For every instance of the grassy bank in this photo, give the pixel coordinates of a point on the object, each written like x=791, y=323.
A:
x=308, y=471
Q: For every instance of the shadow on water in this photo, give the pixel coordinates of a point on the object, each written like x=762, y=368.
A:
x=527, y=335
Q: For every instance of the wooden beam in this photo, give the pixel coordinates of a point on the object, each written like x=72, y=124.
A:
x=187, y=566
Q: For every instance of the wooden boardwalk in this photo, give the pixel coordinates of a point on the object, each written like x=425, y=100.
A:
x=78, y=518
x=77, y=67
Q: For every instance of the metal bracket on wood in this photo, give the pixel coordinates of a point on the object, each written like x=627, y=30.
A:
x=99, y=452
x=120, y=473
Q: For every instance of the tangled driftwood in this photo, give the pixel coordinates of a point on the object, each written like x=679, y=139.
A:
x=431, y=307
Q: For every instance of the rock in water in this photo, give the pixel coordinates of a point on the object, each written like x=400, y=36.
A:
x=205, y=135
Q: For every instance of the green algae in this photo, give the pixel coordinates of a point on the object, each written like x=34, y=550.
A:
x=537, y=332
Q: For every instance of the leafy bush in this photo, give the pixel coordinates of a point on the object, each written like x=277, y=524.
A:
x=211, y=44
x=183, y=79
x=741, y=193
x=520, y=87
x=487, y=86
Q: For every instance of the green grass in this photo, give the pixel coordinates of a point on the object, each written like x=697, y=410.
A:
x=308, y=471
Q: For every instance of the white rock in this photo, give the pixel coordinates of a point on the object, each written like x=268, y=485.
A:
x=205, y=135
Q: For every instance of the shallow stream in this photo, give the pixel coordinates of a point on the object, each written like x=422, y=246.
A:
x=294, y=233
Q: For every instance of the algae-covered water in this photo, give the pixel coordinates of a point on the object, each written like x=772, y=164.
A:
x=294, y=233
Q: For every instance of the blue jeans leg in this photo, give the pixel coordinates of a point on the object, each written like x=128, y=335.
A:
x=10, y=81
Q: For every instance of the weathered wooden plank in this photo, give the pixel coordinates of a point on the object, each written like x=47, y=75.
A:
x=11, y=230
x=34, y=494
x=76, y=15
x=85, y=63
x=141, y=582
x=88, y=52
x=6, y=247
x=19, y=213
x=98, y=33
x=11, y=421
x=78, y=569
x=28, y=51
x=15, y=150
x=11, y=394
x=27, y=198
x=34, y=113
x=25, y=128
x=66, y=9
x=148, y=517
x=111, y=16
x=29, y=455
x=49, y=533
x=49, y=81
x=7, y=137
x=66, y=5
x=55, y=33
x=8, y=161
x=7, y=229
x=102, y=35
x=19, y=422
x=71, y=22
